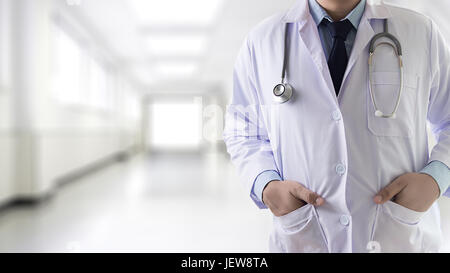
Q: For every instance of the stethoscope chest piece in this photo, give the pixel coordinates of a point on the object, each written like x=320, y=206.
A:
x=282, y=93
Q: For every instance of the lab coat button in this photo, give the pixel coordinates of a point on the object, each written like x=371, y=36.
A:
x=336, y=115
x=344, y=220
x=340, y=169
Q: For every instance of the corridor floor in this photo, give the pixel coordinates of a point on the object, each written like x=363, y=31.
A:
x=163, y=203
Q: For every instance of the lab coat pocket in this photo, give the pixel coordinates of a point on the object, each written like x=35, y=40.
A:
x=386, y=87
x=397, y=229
x=298, y=231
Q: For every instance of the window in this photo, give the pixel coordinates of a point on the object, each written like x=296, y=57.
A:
x=98, y=86
x=78, y=78
x=67, y=69
x=132, y=106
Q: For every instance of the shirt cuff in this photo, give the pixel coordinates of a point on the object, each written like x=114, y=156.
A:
x=440, y=172
x=261, y=182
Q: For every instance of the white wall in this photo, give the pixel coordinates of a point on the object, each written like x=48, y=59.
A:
x=6, y=166
x=70, y=138
x=6, y=130
x=41, y=138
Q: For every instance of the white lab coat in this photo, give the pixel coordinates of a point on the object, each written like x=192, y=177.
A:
x=336, y=146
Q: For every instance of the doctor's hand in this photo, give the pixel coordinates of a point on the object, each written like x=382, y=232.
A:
x=415, y=191
x=283, y=197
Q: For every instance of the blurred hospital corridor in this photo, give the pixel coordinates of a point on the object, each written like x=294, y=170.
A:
x=142, y=206
x=111, y=122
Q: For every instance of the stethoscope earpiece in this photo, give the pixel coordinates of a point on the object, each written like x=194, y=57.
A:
x=378, y=113
x=282, y=92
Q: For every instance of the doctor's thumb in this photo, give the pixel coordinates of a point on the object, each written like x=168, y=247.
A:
x=304, y=194
x=389, y=192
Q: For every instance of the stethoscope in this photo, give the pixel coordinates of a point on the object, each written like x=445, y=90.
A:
x=283, y=91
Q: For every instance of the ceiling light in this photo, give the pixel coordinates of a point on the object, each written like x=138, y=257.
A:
x=163, y=45
x=175, y=12
x=175, y=69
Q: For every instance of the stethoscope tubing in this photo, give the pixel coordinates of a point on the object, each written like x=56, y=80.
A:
x=378, y=112
x=285, y=96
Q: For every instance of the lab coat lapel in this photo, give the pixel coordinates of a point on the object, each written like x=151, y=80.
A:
x=310, y=37
x=309, y=34
x=364, y=34
x=363, y=37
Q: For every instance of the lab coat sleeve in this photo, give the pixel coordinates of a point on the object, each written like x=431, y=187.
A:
x=245, y=135
x=439, y=101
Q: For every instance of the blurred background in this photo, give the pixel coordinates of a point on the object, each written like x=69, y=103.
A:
x=111, y=116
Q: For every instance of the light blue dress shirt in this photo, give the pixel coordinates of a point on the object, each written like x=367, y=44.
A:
x=436, y=169
x=318, y=14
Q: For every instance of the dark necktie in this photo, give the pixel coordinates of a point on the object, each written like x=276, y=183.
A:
x=337, y=62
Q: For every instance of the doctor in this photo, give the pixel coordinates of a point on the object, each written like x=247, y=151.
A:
x=343, y=162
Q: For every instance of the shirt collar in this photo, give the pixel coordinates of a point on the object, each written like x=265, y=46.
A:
x=318, y=13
